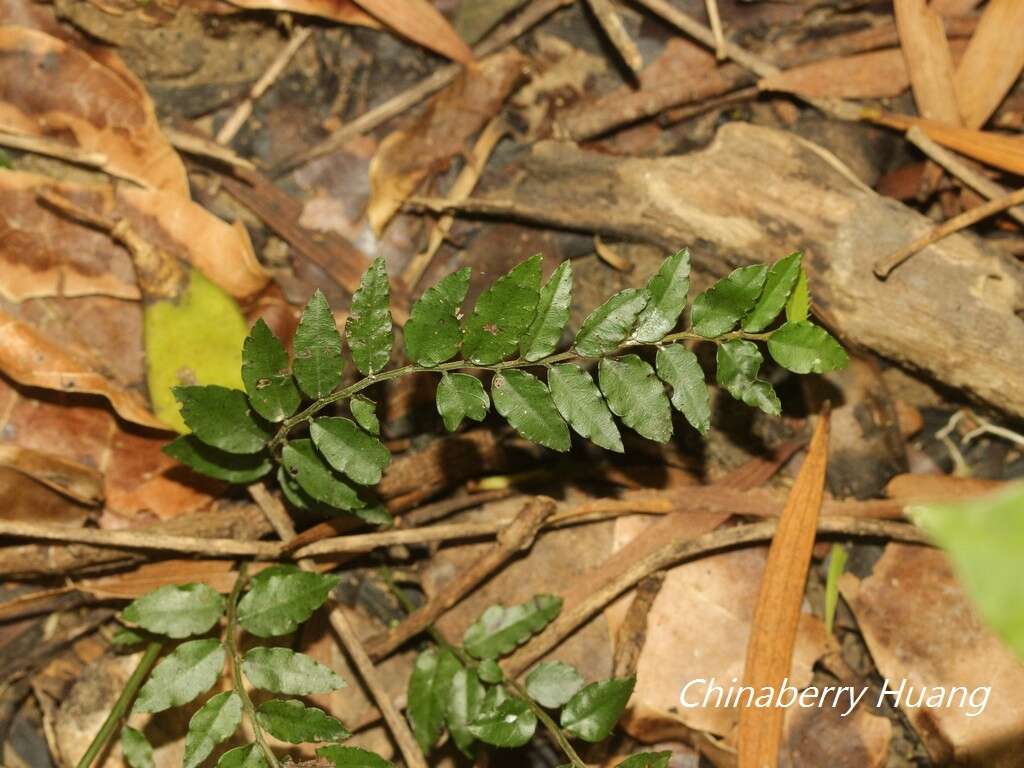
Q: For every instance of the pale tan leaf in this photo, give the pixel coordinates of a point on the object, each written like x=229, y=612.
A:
x=928, y=58
x=51, y=89
x=777, y=616
x=421, y=22
x=992, y=63
x=342, y=11
x=30, y=358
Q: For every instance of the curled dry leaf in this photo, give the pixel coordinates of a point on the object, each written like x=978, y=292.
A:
x=32, y=359
x=70, y=478
x=52, y=90
x=44, y=253
x=410, y=155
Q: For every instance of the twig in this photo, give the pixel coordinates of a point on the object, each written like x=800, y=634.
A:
x=615, y=30
x=278, y=517
x=140, y=540
x=884, y=267
x=367, y=542
x=195, y=144
x=957, y=167
x=716, y=28
x=42, y=146
x=503, y=35
x=120, y=708
x=678, y=551
x=516, y=537
x=242, y=112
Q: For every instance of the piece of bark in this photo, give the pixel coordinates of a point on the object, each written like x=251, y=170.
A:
x=759, y=190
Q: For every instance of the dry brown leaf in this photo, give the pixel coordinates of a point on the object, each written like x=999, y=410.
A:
x=32, y=359
x=825, y=736
x=919, y=489
x=776, y=618
x=138, y=581
x=46, y=254
x=922, y=628
x=342, y=11
x=53, y=90
x=25, y=500
x=421, y=22
x=410, y=155
x=928, y=58
x=993, y=61
x=995, y=149
x=78, y=481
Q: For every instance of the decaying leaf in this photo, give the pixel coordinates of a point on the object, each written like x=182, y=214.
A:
x=410, y=155
x=422, y=22
x=30, y=358
x=72, y=479
x=52, y=90
x=47, y=254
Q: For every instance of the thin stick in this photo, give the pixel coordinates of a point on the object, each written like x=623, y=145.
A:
x=716, y=28
x=678, y=551
x=120, y=708
x=202, y=146
x=616, y=33
x=516, y=537
x=885, y=266
x=534, y=13
x=242, y=112
x=367, y=542
x=957, y=167
x=278, y=517
x=42, y=146
x=141, y=540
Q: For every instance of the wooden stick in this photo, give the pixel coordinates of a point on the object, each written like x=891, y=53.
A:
x=716, y=28
x=517, y=537
x=980, y=183
x=616, y=33
x=278, y=517
x=234, y=123
x=141, y=540
x=678, y=551
x=367, y=542
x=884, y=267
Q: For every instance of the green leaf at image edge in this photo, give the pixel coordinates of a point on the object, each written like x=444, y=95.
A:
x=352, y=757
x=427, y=693
x=249, y=756
x=215, y=721
x=137, y=751
x=647, y=760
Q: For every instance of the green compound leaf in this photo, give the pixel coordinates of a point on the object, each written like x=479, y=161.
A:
x=509, y=724
x=186, y=672
x=720, y=307
x=349, y=449
x=281, y=670
x=806, y=348
x=636, y=396
x=221, y=417
x=312, y=474
x=525, y=402
x=267, y=376
x=176, y=610
x=433, y=333
x=646, y=760
x=368, y=328
x=503, y=314
x=215, y=721
x=294, y=722
x=352, y=757
x=679, y=368
x=490, y=672
x=317, y=348
x=460, y=395
x=281, y=598
x=553, y=683
x=580, y=402
x=668, y=290
x=218, y=464
x=738, y=362
x=462, y=705
x=799, y=304
x=249, y=756
x=777, y=288
x=551, y=317
x=985, y=539
x=364, y=411
x=499, y=629
x=428, y=688
x=136, y=749
x=609, y=325
x=593, y=712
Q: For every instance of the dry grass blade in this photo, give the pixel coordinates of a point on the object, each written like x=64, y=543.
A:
x=773, y=632
x=419, y=21
x=993, y=61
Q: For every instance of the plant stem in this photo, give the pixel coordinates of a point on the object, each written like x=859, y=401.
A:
x=467, y=365
x=513, y=687
x=120, y=708
x=231, y=641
